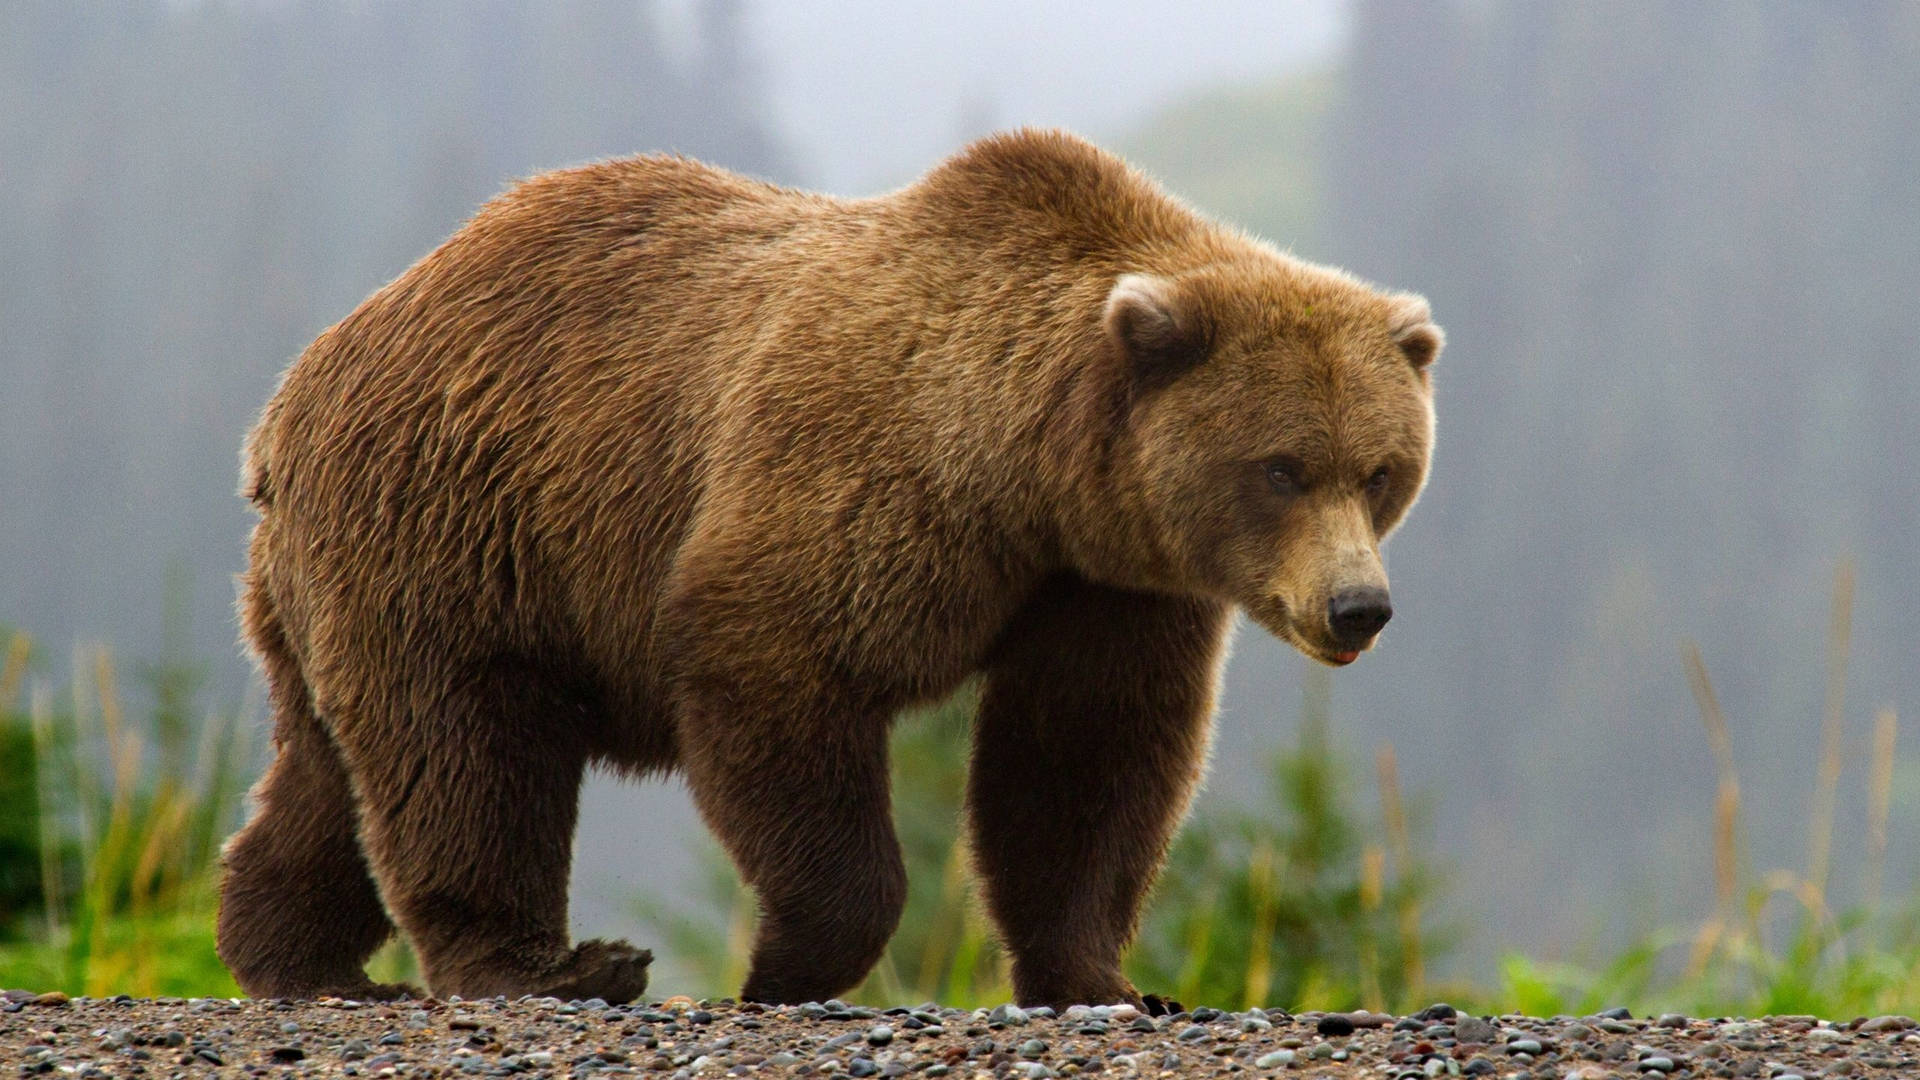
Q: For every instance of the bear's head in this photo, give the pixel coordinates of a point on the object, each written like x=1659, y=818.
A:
x=1282, y=419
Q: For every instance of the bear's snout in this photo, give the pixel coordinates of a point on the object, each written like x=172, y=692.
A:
x=1354, y=616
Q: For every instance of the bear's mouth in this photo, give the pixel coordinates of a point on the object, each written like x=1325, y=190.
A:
x=1329, y=657
x=1315, y=648
x=1310, y=641
x=1305, y=642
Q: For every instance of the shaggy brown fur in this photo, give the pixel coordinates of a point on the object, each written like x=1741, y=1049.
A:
x=661, y=467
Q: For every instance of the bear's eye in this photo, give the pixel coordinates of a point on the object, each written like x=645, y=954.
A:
x=1284, y=476
x=1377, y=483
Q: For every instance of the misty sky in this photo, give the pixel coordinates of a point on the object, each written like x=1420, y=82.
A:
x=871, y=92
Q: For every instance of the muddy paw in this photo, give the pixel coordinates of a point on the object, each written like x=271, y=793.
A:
x=1159, y=1006
x=386, y=992
x=610, y=970
x=367, y=991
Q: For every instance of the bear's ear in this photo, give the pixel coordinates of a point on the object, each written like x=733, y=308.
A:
x=1161, y=332
x=1414, y=331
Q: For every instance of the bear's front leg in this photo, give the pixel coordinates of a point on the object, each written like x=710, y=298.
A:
x=1091, y=738
x=792, y=778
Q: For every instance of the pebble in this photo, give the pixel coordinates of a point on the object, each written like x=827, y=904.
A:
x=488, y=1037
x=1335, y=1024
x=1472, y=1029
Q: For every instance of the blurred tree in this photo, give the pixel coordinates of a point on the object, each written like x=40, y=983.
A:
x=1675, y=247
x=194, y=190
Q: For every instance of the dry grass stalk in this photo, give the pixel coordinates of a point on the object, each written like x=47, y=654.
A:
x=1832, y=730
x=1727, y=799
x=13, y=672
x=1260, y=875
x=1719, y=927
x=1886, y=728
x=1393, y=810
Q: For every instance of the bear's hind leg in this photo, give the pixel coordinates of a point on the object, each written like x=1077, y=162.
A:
x=299, y=915
x=468, y=800
x=1091, y=737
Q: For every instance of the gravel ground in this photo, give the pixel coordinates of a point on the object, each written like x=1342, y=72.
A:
x=681, y=1039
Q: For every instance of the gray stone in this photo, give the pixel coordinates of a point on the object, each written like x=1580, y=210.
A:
x=1472, y=1029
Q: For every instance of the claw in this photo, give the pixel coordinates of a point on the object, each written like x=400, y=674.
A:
x=1159, y=1006
x=613, y=971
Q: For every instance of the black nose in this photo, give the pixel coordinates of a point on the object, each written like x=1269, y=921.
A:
x=1356, y=615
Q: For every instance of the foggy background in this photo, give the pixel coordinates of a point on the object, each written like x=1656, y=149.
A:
x=1675, y=246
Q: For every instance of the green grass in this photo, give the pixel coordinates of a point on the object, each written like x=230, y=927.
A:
x=1281, y=901
x=115, y=828
x=1304, y=899
x=1773, y=944
x=111, y=821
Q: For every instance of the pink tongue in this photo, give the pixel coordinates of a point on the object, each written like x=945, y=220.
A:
x=1347, y=657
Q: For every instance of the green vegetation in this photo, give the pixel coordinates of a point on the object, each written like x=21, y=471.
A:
x=114, y=823
x=1287, y=901
x=1773, y=944
x=1305, y=900
x=1291, y=901
x=110, y=824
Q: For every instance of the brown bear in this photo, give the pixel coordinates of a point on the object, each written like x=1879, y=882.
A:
x=656, y=466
